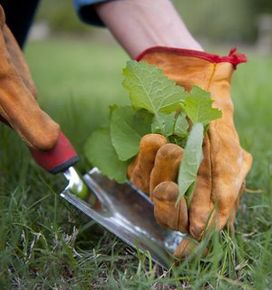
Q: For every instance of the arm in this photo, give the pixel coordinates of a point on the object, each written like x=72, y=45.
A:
x=141, y=24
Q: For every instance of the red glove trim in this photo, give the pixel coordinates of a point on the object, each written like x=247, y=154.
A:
x=233, y=57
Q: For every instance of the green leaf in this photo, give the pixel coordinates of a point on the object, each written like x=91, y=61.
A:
x=150, y=89
x=127, y=126
x=181, y=126
x=198, y=107
x=100, y=152
x=191, y=160
x=164, y=124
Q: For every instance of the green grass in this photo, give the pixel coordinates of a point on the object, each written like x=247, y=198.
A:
x=47, y=245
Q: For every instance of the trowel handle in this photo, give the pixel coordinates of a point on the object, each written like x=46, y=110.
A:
x=56, y=160
x=59, y=158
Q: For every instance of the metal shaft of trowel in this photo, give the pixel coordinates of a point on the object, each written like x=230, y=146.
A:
x=76, y=185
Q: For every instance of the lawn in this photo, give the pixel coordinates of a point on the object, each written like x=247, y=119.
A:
x=47, y=245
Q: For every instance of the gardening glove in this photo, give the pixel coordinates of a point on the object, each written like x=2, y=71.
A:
x=17, y=95
x=225, y=164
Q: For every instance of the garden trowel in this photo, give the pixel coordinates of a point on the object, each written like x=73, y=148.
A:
x=120, y=208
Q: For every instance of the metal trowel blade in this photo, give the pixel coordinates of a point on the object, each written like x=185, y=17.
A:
x=127, y=213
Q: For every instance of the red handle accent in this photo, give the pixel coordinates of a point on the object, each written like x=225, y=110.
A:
x=58, y=159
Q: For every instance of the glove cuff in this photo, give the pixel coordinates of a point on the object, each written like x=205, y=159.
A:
x=190, y=68
x=233, y=57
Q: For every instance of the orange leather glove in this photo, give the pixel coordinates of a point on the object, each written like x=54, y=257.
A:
x=225, y=165
x=17, y=95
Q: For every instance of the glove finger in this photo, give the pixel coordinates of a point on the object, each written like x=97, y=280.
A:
x=140, y=169
x=18, y=106
x=200, y=209
x=227, y=187
x=166, y=165
x=231, y=220
x=187, y=247
x=166, y=212
x=17, y=58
